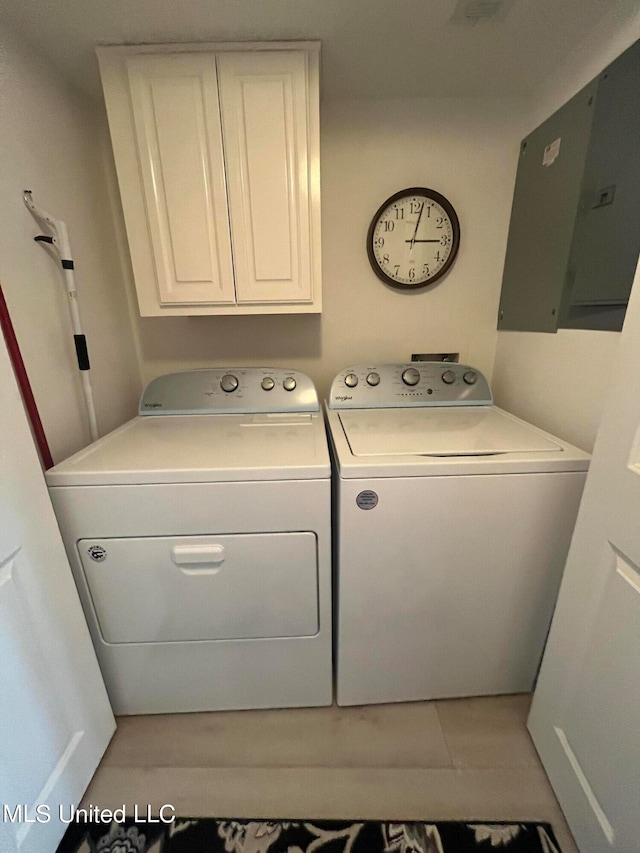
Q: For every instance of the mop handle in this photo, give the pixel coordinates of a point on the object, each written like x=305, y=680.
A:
x=60, y=244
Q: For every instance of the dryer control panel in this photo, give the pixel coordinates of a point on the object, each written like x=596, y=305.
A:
x=418, y=383
x=229, y=390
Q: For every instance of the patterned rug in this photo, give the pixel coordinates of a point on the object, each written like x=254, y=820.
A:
x=209, y=835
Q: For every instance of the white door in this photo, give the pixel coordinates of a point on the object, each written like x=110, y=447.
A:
x=585, y=718
x=55, y=717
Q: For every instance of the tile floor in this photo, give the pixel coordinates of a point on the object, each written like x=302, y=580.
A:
x=461, y=758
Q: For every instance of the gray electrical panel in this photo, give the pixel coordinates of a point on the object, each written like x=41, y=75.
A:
x=606, y=237
x=574, y=235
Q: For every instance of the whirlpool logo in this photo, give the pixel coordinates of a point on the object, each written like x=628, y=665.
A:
x=342, y=397
x=153, y=405
x=97, y=553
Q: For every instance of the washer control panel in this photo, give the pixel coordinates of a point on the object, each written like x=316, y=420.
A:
x=420, y=383
x=229, y=390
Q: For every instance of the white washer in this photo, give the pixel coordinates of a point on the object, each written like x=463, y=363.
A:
x=452, y=524
x=200, y=541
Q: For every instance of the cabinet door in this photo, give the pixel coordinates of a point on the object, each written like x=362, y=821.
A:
x=178, y=135
x=271, y=154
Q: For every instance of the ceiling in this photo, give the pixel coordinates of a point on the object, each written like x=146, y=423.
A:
x=370, y=48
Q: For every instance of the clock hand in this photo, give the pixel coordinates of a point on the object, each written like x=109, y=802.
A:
x=413, y=239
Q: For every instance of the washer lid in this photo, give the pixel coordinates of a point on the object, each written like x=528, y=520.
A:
x=201, y=449
x=438, y=432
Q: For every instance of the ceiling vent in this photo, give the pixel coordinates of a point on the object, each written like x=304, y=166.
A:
x=471, y=12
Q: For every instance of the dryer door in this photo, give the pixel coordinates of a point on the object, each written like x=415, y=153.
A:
x=180, y=588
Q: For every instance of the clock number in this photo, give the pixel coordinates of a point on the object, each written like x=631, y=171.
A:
x=429, y=212
x=416, y=207
x=385, y=260
x=439, y=221
x=389, y=225
x=397, y=269
x=437, y=256
x=379, y=242
x=399, y=212
x=445, y=240
x=412, y=274
x=425, y=269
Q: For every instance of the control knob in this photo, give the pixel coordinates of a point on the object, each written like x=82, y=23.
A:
x=351, y=380
x=228, y=383
x=449, y=377
x=267, y=383
x=410, y=376
x=373, y=378
x=470, y=377
x=289, y=383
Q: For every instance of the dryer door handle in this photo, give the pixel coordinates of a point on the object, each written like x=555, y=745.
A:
x=198, y=559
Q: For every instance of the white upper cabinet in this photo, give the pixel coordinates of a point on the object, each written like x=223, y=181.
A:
x=179, y=145
x=263, y=97
x=217, y=155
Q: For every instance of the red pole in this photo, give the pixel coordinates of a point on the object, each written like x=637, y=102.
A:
x=25, y=385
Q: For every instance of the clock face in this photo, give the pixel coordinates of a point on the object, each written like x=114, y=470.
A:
x=413, y=238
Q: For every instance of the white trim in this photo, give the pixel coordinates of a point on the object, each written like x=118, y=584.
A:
x=628, y=571
x=597, y=809
x=203, y=47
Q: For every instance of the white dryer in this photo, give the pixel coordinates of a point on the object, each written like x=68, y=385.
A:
x=452, y=524
x=200, y=541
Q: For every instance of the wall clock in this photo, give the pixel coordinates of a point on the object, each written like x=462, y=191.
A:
x=413, y=238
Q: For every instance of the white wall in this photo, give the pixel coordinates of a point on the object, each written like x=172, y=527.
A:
x=559, y=382
x=466, y=149
x=49, y=144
